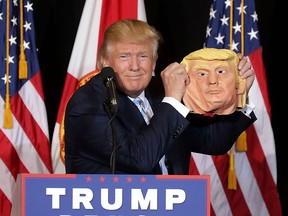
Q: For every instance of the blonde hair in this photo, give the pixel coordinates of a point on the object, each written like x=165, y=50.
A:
x=132, y=31
x=212, y=54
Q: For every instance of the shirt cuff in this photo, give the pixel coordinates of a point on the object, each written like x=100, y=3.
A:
x=181, y=108
x=249, y=107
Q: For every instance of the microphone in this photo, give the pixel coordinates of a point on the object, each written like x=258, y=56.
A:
x=108, y=76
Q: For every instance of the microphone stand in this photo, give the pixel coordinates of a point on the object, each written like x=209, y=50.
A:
x=112, y=115
x=111, y=106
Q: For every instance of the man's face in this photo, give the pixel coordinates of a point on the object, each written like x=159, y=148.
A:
x=212, y=87
x=133, y=64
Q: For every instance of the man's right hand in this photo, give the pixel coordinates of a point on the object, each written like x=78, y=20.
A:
x=175, y=80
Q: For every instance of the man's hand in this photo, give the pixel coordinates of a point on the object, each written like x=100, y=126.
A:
x=175, y=80
x=246, y=71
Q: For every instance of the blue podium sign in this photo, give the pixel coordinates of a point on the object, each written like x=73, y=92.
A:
x=114, y=195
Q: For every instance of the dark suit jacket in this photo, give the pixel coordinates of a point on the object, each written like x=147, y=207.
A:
x=89, y=135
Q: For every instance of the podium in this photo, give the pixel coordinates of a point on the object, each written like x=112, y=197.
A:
x=111, y=195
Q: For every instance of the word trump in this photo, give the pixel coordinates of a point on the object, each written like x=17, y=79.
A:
x=85, y=197
x=93, y=194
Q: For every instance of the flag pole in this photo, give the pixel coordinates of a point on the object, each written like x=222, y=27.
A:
x=7, y=107
x=241, y=144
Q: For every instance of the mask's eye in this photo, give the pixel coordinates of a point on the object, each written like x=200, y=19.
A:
x=221, y=71
x=202, y=74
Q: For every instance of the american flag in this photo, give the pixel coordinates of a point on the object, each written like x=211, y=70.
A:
x=24, y=145
x=256, y=192
x=97, y=15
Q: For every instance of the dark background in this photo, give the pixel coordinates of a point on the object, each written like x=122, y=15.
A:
x=183, y=27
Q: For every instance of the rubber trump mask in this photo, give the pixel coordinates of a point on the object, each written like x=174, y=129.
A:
x=215, y=85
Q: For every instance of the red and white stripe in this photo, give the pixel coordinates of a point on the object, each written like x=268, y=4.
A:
x=25, y=147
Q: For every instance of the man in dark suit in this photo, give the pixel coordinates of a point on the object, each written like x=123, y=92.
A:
x=113, y=137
